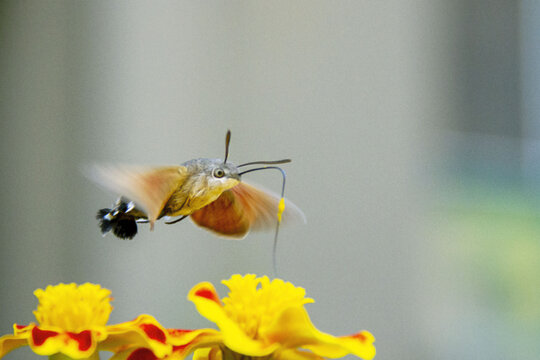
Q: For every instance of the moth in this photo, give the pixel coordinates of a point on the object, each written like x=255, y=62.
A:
x=209, y=191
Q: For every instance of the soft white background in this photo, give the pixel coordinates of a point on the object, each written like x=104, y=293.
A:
x=355, y=92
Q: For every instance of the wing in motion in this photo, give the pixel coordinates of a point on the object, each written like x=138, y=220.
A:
x=150, y=188
x=241, y=209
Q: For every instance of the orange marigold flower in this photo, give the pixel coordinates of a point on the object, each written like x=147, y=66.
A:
x=72, y=323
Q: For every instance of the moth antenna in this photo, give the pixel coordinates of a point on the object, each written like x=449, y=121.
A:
x=227, y=142
x=271, y=162
x=281, y=207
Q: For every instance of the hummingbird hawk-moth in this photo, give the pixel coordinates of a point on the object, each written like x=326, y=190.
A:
x=209, y=191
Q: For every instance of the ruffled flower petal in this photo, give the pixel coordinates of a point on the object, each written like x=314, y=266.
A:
x=359, y=344
x=11, y=342
x=294, y=329
x=144, y=332
x=183, y=343
x=50, y=340
x=207, y=302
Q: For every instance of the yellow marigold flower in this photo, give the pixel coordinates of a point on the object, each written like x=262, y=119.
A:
x=260, y=319
x=267, y=319
x=72, y=323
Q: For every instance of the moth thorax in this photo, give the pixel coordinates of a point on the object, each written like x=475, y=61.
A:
x=206, y=191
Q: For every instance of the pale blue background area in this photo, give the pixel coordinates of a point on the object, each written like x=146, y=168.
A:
x=413, y=129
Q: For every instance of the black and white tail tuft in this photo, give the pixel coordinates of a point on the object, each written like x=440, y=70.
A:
x=117, y=220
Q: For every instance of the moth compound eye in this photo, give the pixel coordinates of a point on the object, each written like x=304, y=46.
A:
x=219, y=173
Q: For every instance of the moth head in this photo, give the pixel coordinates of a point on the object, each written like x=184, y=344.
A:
x=221, y=175
x=224, y=175
x=224, y=171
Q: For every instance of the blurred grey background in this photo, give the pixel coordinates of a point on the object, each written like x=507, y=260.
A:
x=413, y=129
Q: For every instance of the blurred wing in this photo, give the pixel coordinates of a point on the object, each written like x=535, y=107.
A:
x=149, y=188
x=223, y=216
x=243, y=208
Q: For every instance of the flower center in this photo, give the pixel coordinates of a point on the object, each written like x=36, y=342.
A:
x=254, y=303
x=73, y=307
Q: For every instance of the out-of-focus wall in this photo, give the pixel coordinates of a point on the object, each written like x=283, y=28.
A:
x=373, y=100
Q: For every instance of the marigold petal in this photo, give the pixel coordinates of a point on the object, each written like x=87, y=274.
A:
x=154, y=332
x=360, y=344
x=187, y=342
x=293, y=329
x=50, y=340
x=21, y=329
x=84, y=339
x=204, y=297
x=142, y=332
x=39, y=337
x=204, y=290
x=183, y=341
x=11, y=342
